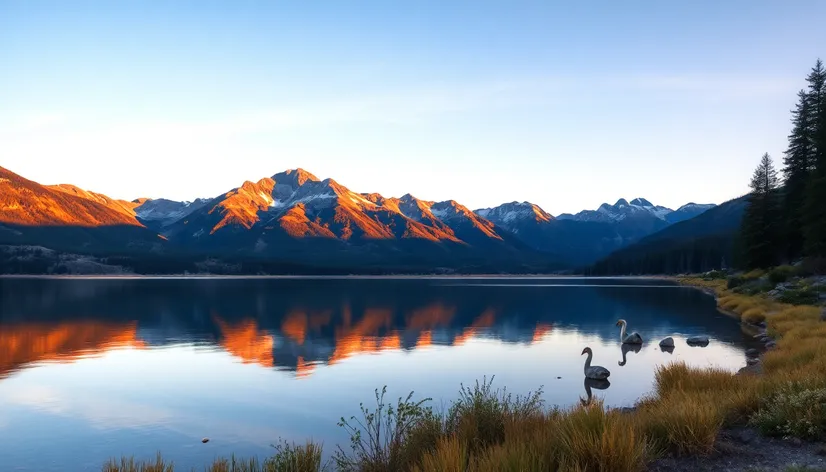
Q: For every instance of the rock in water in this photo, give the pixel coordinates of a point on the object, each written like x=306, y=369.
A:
x=752, y=361
x=667, y=342
x=697, y=341
x=752, y=352
x=205, y=440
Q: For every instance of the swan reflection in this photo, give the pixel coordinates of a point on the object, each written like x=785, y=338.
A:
x=593, y=383
x=626, y=348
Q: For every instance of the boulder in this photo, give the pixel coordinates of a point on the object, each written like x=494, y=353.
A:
x=697, y=341
x=667, y=342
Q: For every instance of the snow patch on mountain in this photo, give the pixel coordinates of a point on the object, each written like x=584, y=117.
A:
x=167, y=211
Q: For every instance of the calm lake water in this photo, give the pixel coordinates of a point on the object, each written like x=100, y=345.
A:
x=95, y=368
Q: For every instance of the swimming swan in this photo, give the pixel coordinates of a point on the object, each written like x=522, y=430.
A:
x=633, y=338
x=596, y=372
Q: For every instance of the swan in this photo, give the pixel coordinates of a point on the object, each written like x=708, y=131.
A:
x=628, y=347
x=596, y=372
x=633, y=338
x=591, y=383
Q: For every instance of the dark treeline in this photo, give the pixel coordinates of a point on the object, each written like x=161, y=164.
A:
x=668, y=257
x=786, y=221
x=784, y=218
x=22, y=261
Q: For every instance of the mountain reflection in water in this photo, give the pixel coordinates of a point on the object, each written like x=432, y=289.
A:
x=295, y=325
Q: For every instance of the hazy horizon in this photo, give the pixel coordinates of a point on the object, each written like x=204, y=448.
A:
x=567, y=107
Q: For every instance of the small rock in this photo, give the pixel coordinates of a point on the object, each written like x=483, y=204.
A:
x=752, y=353
x=558, y=378
x=205, y=440
x=752, y=361
x=667, y=342
x=771, y=345
x=796, y=442
x=762, y=324
x=764, y=339
x=823, y=313
x=697, y=341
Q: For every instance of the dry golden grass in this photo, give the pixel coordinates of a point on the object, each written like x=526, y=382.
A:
x=754, y=274
x=753, y=315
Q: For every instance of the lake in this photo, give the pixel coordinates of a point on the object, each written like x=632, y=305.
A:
x=95, y=368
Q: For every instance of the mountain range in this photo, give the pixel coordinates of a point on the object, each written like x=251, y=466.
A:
x=294, y=216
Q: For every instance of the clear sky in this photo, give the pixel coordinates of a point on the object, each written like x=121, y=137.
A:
x=564, y=104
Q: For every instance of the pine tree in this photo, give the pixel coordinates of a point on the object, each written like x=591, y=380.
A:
x=760, y=230
x=798, y=164
x=814, y=211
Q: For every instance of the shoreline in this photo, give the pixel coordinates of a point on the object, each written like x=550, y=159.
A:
x=354, y=276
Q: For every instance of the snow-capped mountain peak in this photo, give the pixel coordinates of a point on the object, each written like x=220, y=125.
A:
x=508, y=214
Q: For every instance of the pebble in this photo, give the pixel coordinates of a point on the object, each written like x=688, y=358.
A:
x=205, y=440
x=697, y=340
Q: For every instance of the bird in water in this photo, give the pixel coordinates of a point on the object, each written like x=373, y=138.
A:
x=589, y=384
x=596, y=372
x=633, y=338
x=625, y=349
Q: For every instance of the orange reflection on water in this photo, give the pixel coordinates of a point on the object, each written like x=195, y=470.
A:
x=303, y=369
x=541, y=330
x=425, y=340
x=246, y=341
x=294, y=326
x=27, y=343
x=362, y=337
x=431, y=316
x=485, y=320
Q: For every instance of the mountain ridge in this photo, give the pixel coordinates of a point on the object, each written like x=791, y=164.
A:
x=295, y=214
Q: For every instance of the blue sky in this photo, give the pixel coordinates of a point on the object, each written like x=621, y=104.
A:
x=563, y=104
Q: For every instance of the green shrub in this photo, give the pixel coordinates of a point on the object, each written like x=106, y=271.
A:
x=715, y=275
x=381, y=441
x=794, y=410
x=735, y=282
x=778, y=275
x=480, y=414
x=801, y=296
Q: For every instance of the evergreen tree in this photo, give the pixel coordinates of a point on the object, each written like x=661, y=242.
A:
x=798, y=164
x=814, y=211
x=760, y=230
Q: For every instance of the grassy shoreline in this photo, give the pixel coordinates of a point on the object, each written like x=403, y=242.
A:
x=489, y=429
